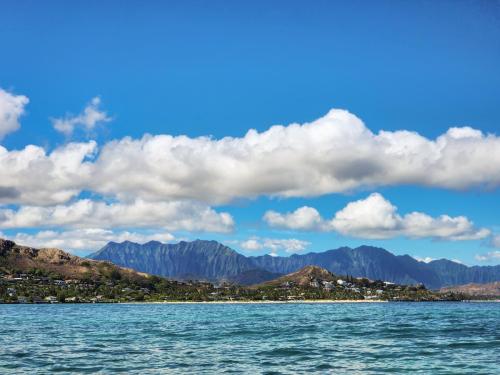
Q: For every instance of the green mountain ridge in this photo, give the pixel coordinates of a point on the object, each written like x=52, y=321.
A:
x=213, y=261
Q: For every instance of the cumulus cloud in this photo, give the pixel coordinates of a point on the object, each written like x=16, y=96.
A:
x=304, y=218
x=88, y=119
x=377, y=218
x=87, y=213
x=90, y=239
x=334, y=154
x=11, y=108
x=33, y=176
x=273, y=245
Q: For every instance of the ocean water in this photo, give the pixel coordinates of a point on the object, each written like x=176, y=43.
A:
x=413, y=338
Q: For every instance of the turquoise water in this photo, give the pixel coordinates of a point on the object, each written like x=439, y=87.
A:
x=427, y=338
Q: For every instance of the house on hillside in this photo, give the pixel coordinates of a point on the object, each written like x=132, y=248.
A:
x=328, y=285
x=314, y=284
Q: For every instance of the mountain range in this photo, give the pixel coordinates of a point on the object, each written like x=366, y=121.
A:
x=213, y=261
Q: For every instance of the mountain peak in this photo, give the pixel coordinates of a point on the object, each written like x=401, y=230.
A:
x=129, y=242
x=372, y=249
x=152, y=243
x=211, y=260
x=314, y=271
x=206, y=241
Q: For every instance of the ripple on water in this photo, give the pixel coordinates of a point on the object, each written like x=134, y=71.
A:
x=291, y=338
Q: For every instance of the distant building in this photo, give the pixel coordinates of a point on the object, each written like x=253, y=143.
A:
x=328, y=285
x=314, y=284
x=286, y=284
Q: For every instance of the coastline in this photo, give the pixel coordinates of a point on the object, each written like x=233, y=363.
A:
x=319, y=301
x=296, y=302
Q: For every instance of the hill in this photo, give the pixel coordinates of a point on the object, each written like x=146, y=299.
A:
x=23, y=259
x=490, y=290
x=305, y=277
x=313, y=282
x=39, y=275
x=212, y=261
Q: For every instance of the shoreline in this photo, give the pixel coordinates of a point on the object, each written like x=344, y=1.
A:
x=296, y=302
x=270, y=302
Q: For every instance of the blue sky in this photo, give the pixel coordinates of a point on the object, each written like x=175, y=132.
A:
x=221, y=68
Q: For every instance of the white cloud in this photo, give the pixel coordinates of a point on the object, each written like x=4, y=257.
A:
x=304, y=218
x=31, y=176
x=495, y=241
x=489, y=257
x=273, y=245
x=86, y=213
x=11, y=108
x=252, y=244
x=377, y=218
x=88, y=119
x=336, y=153
x=90, y=239
x=429, y=259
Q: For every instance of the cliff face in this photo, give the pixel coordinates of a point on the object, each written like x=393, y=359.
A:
x=452, y=273
x=201, y=260
x=210, y=260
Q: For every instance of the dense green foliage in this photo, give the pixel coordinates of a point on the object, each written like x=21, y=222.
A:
x=38, y=287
